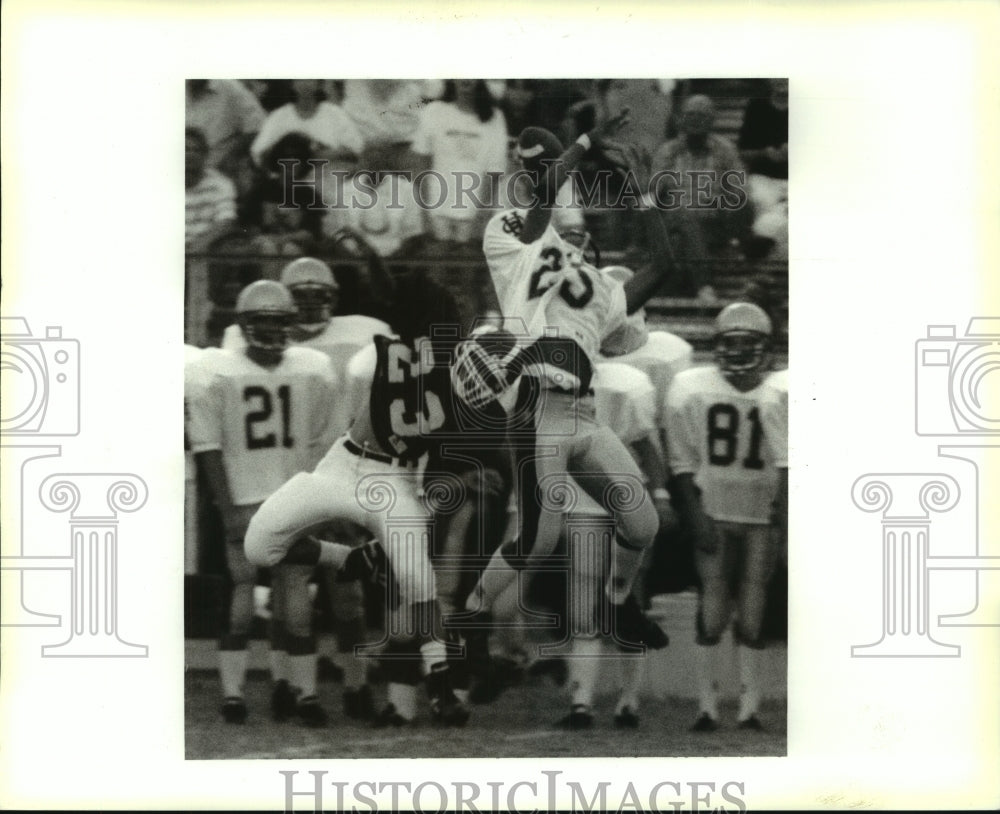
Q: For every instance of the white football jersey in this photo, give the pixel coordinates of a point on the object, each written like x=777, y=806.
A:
x=623, y=400
x=269, y=423
x=731, y=441
x=662, y=357
x=343, y=337
x=548, y=284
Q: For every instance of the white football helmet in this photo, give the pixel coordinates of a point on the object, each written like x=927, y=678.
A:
x=265, y=312
x=314, y=289
x=742, y=339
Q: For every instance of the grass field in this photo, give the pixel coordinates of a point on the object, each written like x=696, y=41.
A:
x=519, y=724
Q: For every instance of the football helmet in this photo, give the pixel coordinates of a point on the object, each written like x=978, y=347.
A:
x=742, y=339
x=266, y=312
x=314, y=289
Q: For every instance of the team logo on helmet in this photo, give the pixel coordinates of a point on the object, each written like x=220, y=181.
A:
x=313, y=288
x=742, y=339
x=266, y=312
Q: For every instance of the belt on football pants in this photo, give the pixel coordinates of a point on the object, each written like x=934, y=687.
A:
x=381, y=457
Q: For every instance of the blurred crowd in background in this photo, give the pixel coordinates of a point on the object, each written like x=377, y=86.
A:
x=378, y=134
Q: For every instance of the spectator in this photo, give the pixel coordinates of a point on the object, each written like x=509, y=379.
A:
x=701, y=234
x=763, y=137
x=386, y=113
x=289, y=230
x=331, y=131
x=209, y=197
x=465, y=132
x=229, y=116
x=764, y=146
x=386, y=216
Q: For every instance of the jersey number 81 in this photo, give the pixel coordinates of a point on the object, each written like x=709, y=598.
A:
x=724, y=435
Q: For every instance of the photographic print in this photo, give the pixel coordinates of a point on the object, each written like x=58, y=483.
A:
x=490, y=490
x=486, y=392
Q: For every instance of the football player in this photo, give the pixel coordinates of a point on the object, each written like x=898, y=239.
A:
x=371, y=477
x=316, y=294
x=257, y=417
x=568, y=308
x=728, y=435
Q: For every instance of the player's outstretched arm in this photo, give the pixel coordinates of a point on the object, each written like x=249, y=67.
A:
x=644, y=283
x=379, y=279
x=556, y=173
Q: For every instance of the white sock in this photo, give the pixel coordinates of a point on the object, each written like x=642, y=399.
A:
x=462, y=695
x=584, y=667
x=633, y=676
x=302, y=672
x=750, y=672
x=232, y=672
x=404, y=698
x=432, y=652
x=708, y=667
x=278, y=660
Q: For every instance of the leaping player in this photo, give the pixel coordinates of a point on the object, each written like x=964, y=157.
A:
x=545, y=282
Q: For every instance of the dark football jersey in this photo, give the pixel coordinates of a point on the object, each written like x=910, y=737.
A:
x=413, y=409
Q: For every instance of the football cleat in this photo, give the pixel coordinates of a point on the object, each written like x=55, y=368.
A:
x=631, y=626
x=579, y=717
x=751, y=724
x=626, y=718
x=486, y=686
x=282, y=701
x=310, y=712
x=446, y=709
x=358, y=704
x=389, y=716
x=234, y=710
x=705, y=723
